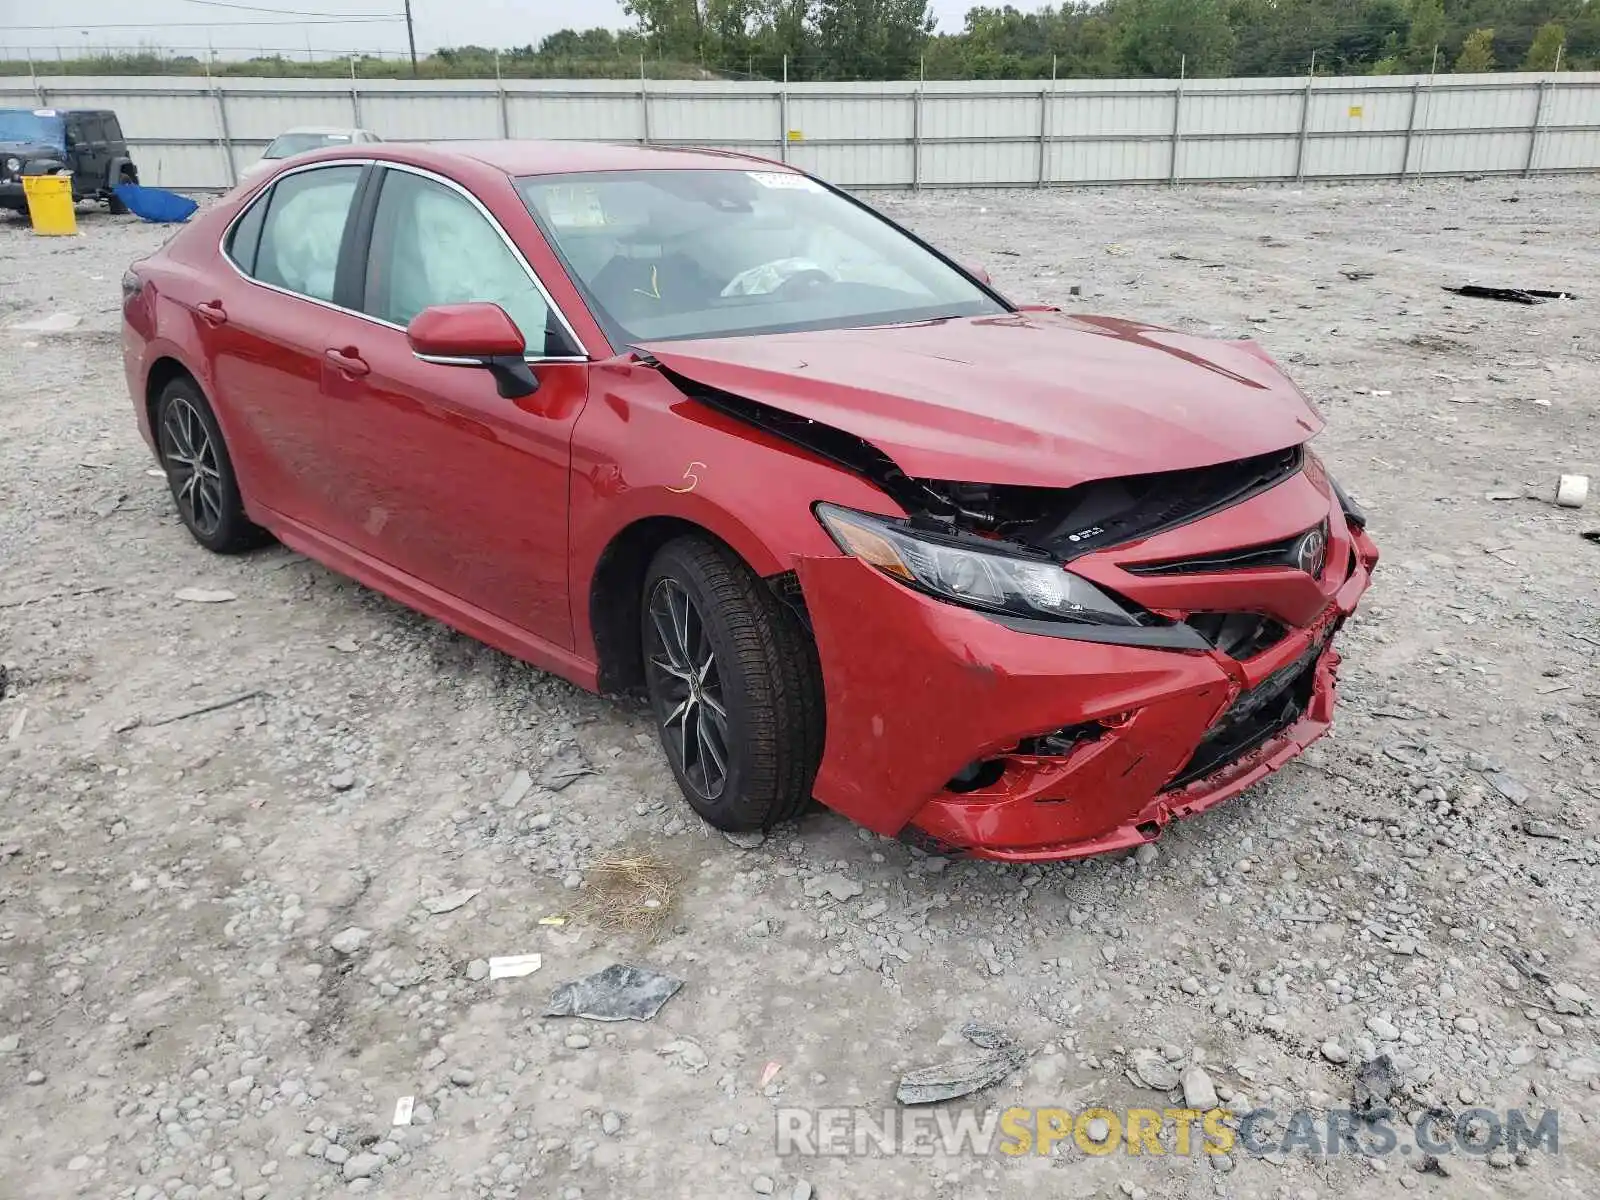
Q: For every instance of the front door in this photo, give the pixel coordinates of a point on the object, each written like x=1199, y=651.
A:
x=441, y=477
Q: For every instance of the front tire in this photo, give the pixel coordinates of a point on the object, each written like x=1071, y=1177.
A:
x=200, y=473
x=734, y=685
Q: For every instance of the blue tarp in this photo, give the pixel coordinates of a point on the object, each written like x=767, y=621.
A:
x=155, y=204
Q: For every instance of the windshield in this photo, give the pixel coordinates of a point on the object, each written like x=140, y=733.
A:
x=686, y=254
x=299, y=143
x=46, y=127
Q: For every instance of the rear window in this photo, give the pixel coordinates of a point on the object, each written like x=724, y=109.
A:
x=302, y=143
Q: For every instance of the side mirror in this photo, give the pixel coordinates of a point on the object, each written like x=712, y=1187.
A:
x=474, y=335
x=978, y=273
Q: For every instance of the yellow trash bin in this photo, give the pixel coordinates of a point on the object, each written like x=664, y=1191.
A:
x=50, y=206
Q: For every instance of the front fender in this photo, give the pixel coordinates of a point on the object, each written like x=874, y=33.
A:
x=643, y=450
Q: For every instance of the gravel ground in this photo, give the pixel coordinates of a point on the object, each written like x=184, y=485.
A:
x=185, y=1012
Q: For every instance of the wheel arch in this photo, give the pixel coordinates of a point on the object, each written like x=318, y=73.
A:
x=614, y=593
x=163, y=371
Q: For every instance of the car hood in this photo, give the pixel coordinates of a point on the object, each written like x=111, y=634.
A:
x=1027, y=398
x=29, y=149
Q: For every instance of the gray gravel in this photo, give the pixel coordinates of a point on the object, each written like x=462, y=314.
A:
x=219, y=971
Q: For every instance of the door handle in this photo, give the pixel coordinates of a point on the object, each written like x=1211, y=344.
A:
x=348, y=361
x=212, y=312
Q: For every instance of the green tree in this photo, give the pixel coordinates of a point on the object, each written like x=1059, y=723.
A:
x=1427, y=30
x=1477, y=53
x=1163, y=37
x=871, y=39
x=1546, y=46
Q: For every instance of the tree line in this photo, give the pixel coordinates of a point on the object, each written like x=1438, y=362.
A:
x=895, y=40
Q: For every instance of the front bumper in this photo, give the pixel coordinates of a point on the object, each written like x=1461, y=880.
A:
x=918, y=691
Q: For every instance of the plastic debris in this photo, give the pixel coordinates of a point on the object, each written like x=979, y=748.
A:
x=450, y=901
x=1510, y=295
x=1150, y=1069
x=1376, y=1081
x=205, y=595
x=403, y=1108
x=770, y=1072
x=514, y=966
x=1572, y=491
x=552, y=920
x=156, y=205
x=563, y=769
x=618, y=993
x=963, y=1076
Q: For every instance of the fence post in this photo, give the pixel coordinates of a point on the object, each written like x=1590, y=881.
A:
x=355, y=94
x=38, y=88
x=1411, y=125
x=1305, y=120
x=1533, y=132
x=644, y=104
x=1177, y=119
x=783, y=113
x=227, y=137
x=1044, y=136
x=916, y=140
x=500, y=86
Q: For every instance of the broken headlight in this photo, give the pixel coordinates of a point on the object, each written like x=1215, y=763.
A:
x=977, y=578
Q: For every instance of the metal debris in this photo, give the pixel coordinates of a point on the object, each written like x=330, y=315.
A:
x=618, y=993
x=963, y=1076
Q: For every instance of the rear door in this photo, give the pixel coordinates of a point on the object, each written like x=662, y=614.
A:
x=442, y=477
x=265, y=325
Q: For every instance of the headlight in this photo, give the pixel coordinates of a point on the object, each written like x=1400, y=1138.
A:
x=993, y=581
x=13, y=165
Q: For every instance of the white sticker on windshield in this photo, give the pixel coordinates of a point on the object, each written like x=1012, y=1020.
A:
x=574, y=207
x=785, y=179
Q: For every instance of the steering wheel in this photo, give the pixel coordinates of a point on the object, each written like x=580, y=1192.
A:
x=803, y=281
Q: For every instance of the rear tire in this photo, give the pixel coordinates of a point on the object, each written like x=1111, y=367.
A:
x=734, y=685
x=200, y=473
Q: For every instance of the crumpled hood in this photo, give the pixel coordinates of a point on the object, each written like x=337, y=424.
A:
x=1028, y=398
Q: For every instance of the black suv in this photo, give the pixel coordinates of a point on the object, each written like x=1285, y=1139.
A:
x=46, y=141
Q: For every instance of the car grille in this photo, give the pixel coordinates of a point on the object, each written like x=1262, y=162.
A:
x=1237, y=634
x=1283, y=553
x=1255, y=718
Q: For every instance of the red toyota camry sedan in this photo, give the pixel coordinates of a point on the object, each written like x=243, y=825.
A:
x=1013, y=583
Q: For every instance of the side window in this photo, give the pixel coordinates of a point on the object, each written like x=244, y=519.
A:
x=246, y=235
x=113, y=130
x=303, y=228
x=431, y=245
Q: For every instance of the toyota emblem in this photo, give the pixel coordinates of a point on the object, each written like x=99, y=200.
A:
x=1311, y=551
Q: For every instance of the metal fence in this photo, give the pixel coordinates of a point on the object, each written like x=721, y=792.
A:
x=197, y=133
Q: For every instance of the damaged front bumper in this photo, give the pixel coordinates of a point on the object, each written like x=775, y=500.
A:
x=1007, y=744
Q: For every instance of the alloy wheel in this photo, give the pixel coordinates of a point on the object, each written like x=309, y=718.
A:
x=191, y=461
x=687, y=688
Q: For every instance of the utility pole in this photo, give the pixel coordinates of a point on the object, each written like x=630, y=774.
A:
x=411, y=39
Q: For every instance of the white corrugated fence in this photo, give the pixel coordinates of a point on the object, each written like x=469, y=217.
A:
x=198, y=133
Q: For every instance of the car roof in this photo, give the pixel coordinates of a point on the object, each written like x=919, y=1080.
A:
x=519, y=158
x=324, y=129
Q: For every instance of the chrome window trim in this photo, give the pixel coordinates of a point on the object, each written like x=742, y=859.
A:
x=222, y=249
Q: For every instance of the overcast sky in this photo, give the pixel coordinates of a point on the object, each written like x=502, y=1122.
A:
x=296, y=25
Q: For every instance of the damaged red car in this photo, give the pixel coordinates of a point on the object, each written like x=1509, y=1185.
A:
x=1010, y=582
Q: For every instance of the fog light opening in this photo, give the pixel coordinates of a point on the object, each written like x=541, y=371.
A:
x=1149, y=830
x=985, y=772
